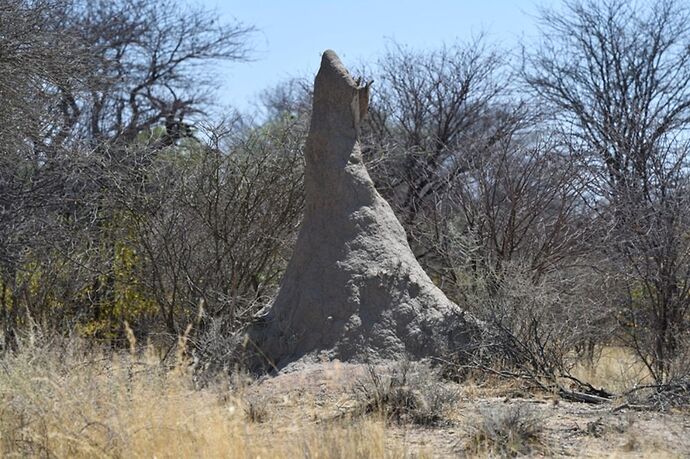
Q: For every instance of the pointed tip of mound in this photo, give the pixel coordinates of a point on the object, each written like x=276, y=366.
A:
x=331, y=63
x=330, y=57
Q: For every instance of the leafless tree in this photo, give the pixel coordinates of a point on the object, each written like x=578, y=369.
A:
x=91, y=91
x=433, y=115
x=152, y=69
x=219, y=229
x=467, y=166
x=490, y=199
x=291, y=98
x=519, y=203
x=617, y=78
x=431, y=108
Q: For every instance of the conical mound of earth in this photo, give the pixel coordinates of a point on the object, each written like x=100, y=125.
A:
x=353, y=289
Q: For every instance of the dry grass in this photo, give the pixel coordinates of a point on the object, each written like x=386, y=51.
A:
x=59, y=399
x=505, y=431
x=616, y=369
x=407, y=393
x=63, y=402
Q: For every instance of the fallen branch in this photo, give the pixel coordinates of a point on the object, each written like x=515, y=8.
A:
x=598, y=396
x=582, y=397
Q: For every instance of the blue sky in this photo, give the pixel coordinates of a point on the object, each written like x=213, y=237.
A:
x=292, y=34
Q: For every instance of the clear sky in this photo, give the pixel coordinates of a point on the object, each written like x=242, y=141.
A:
x=292, y=34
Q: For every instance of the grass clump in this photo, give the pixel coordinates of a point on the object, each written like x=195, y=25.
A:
x=406, y=393
x=256, y=410
x=508, y=431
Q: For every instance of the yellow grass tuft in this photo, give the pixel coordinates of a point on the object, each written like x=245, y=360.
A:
x=616, y=369
x=68, y=403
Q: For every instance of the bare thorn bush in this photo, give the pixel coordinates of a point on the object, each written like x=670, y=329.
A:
x=408, y=392
x=508, y=431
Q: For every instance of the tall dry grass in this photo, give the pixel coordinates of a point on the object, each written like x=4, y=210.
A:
x=615, y=368
x=60, y=399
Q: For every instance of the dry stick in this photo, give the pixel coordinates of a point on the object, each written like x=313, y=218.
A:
x=678, y=389
x=593, y=390
x=658, y=386
x=573, y=396
x=624, y=406
x=248, y=340
x=582, y=397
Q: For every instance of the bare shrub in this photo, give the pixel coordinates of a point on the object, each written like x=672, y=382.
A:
x=408, y=392
x=660, y=397
x=531, y=331
x=212, y=222
x=508, y=431
x=217, y=348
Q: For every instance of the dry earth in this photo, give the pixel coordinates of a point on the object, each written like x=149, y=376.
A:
x=324, y=393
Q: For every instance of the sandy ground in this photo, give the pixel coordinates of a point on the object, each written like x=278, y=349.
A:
x=321, y=393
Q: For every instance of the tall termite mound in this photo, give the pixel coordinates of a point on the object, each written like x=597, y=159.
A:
x=353, y=289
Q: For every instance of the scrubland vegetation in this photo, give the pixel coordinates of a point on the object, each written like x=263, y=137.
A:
x=544, y=188
x=60, y=397
x=63, y=400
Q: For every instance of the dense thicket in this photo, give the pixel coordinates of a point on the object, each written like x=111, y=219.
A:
x=545, y=190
